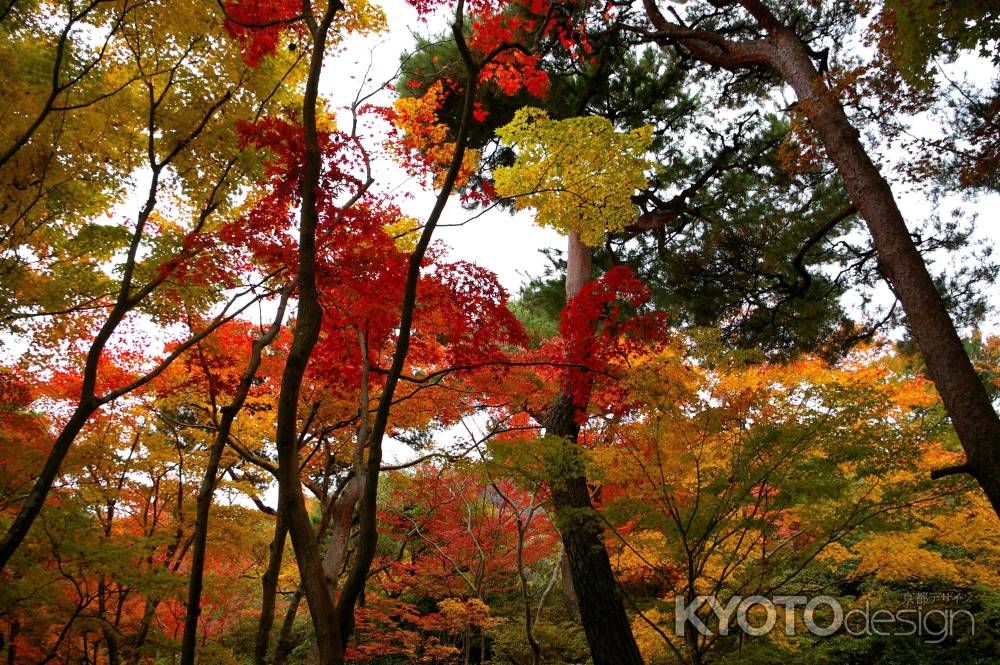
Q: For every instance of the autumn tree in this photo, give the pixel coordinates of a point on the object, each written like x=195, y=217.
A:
x=757, y=471
x=176, y=134
x=217, y=293
x=314, y=173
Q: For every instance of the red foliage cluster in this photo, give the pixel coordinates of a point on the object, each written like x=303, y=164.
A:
x=259, y=24
x=119, y=365
x=265, y=234
x=23, y=436
x=511, y=26
x=513, y=71
x=600, y=324
x=455, y=515
x=505, y=35
x=473, y=303
x=461, y=320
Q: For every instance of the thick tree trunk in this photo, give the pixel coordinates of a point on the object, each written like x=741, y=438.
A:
x=964, y=397
x=963, y=394
x=291, y=500
x=602, y=611
x=600, y=604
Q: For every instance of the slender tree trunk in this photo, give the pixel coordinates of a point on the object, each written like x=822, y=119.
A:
x=291, y=500
x=209, y=480
x=12, y=633
x=529, y=619
x=127, y=299
x=269, y=592
x=367, y=541
x=284, y=645
x=692, y=638
x=602, y=610
x=33, y=503
x=139, y=641
x=523, y=523
x=550, y=585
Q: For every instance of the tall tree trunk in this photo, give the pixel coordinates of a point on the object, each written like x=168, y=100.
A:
x=602, y=610
x=291, y=500
x=357, y=577
x=964, y=396
x=269, y=592
x=209, y=480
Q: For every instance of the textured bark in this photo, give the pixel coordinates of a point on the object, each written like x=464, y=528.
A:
x=285, y=645
x=568, y=592
x=341, y=517
x=269, y=592
x=578, y=265
x=602, y=610
x=948, y=364
x=291, y=500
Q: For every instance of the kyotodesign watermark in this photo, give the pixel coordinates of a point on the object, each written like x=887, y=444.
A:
x=820, y=615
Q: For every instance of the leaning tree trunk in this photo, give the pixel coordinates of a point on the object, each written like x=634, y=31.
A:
x=206, y=490
x=963, y=394
x=269, y=592
x=600, y=604
x=948, y=364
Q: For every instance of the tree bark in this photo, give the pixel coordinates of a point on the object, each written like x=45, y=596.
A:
x=602, y=610
x=291, y=500
x=948, y=364
x=341, y=517
x=208, y=482
x=568, y=592
x=927, y=317
x=285, y=645
x=367, y=541
x=269, y=592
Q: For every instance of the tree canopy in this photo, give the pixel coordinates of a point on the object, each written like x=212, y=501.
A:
x=252, y=410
